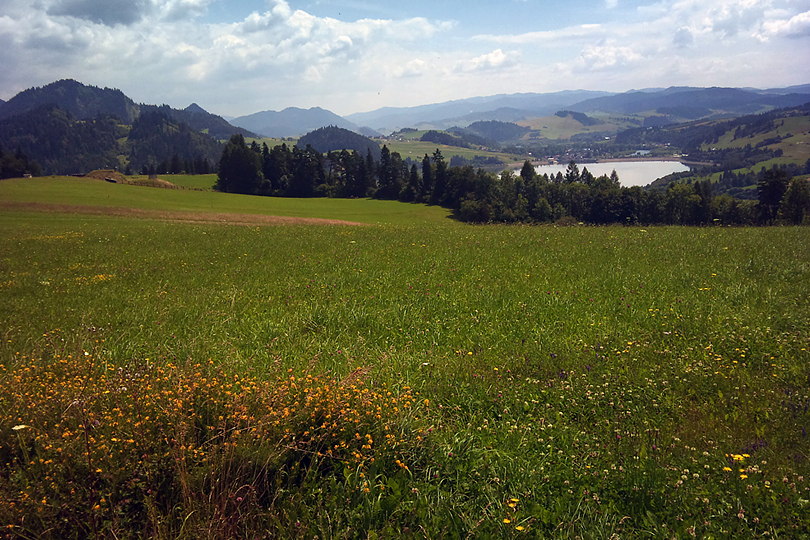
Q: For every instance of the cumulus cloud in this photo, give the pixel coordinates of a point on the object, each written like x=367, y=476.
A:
x=109, y=12
x=567, y=34
x=794, y=27
x=161, y=50
x=496, y=59
x=683, y=37
x=412, y=68
x=607, y=56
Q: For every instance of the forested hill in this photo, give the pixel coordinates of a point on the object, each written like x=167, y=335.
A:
x=85, y=102
x=67, y=127
x=61, y=144
x=81, y=101
x=332, y=138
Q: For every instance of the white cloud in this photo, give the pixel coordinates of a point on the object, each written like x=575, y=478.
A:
x=109, y=12
x=162, y=50
x=494, y=60
x=794, y=27
x=683, y=37
x=412, y=68
x=566, y=34
x=607, y=56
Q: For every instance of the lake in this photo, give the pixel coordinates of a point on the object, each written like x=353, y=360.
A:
x=631, y=173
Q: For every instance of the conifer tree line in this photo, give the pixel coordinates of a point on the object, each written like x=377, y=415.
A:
x=479, y=196
x=16, y=164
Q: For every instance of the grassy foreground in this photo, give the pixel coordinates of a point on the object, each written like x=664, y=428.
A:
x=401, y=379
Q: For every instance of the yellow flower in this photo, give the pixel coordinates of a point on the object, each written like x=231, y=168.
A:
x=520, y=528
x=743, y=476
x=507, y=520
x=727, y=469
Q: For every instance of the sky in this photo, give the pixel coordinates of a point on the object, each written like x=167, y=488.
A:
x=236, y=57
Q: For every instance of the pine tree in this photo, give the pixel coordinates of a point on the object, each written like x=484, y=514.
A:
x=239, y=168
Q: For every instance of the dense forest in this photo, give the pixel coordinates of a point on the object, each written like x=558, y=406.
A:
x=60, y=143
x=16, y=165
x=481, y=197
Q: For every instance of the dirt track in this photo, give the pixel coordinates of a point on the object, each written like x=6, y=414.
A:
x=163, y=215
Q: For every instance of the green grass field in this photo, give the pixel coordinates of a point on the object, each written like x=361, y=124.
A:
x=88, y=191
x=411, y=378
x=556, y=128
x=796, y=131
x=416, y=150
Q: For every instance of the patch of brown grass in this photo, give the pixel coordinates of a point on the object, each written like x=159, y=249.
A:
x=179, y=216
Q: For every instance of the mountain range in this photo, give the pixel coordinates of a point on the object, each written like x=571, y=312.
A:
x=67, y=126
x=503, y=107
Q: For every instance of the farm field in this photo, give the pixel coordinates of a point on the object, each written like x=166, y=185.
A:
x=88, y=192
x=416, y=150
x=411, y=377
x=796, y=133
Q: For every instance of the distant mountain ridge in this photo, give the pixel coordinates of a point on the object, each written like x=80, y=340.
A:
x=729, y=100
x=294, y=121
x=693, y=101
x=502, y=107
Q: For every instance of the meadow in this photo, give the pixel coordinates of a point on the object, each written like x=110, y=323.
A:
x=409, y=377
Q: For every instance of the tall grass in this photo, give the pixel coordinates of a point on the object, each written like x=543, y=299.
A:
x=559, y=381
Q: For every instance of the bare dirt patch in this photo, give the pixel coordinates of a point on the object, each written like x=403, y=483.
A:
x=116, y=177
x=179, y=216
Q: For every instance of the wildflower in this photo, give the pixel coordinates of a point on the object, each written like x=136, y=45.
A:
x=727, y=469
x=507, y=520
x=743, y=476
x=19, y=427
x=520, y=528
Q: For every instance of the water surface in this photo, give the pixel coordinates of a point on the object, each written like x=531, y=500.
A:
x=631, y=173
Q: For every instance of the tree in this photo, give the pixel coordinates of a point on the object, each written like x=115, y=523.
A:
x=571, y=173
x=771, y=188
x=427, y=178
x=795, y=206
x=307, y=172
x=437, y=195
x=240, y=168
x=527, y=172
x=388, y=176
